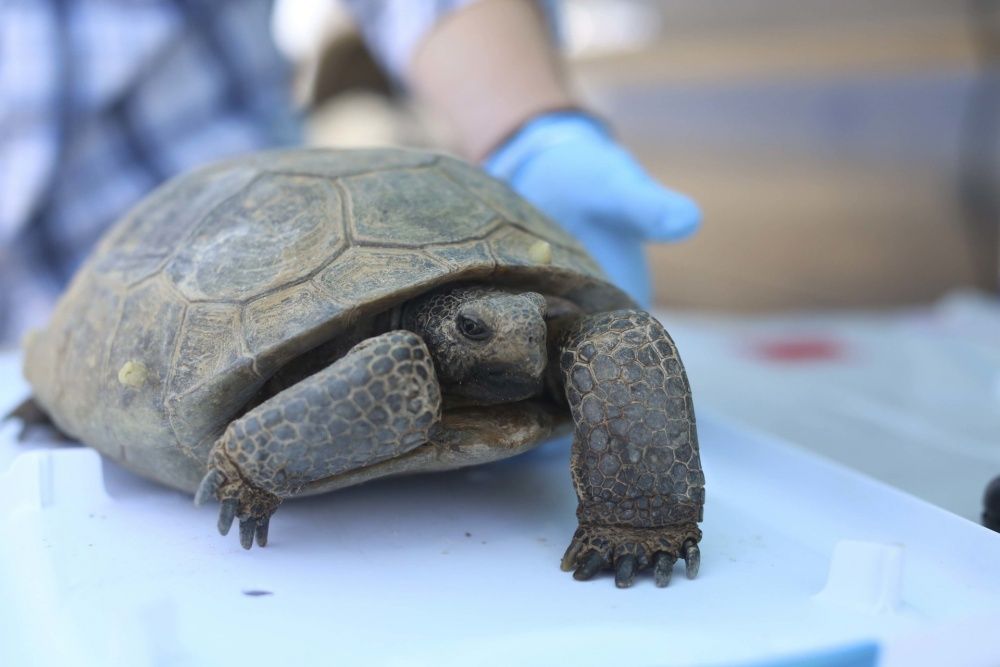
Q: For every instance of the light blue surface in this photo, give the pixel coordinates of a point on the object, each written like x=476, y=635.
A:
x=852, y=655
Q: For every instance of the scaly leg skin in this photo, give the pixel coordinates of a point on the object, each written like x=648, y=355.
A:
x=635, y=460
x=378, y=401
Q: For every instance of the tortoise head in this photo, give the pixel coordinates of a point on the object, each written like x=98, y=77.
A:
x=489, y=345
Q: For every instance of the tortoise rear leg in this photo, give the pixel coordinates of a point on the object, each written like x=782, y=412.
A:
x=635, y=461
x=378, y=401
x=32, y=416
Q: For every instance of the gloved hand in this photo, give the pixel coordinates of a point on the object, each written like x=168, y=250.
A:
x=569, y=167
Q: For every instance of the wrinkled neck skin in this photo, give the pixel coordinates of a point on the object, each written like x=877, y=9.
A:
x=488, y=344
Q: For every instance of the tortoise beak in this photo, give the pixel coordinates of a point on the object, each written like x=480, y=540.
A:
x=503, y=383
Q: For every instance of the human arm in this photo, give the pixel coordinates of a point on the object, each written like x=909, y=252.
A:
x=490, y=70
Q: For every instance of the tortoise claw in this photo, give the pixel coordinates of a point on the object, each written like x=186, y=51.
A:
x=692, y=557
x=625, y=571
x=209, y=487
x=226, y=515
x=590, y=567
x=569, y=559
x=663, y=568
x=248, y=527
x=261, y=534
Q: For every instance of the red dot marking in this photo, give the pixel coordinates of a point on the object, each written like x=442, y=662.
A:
x=798, y=350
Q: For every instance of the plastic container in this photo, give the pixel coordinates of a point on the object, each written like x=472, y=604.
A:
x=800, y=558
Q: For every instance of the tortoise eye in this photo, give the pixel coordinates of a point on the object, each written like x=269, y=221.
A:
x=472, y=328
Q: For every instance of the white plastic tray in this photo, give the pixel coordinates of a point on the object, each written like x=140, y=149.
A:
x=910, y=396
x=100, y=567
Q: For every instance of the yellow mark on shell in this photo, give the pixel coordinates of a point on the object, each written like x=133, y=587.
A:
x=133, y=374
x=540, y=252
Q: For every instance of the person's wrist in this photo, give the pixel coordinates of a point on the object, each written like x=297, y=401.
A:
x=486, y=68
x=539, y=133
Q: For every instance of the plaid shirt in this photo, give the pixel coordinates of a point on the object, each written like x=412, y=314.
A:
x=104, y=99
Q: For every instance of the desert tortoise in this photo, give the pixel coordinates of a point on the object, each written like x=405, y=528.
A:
x=294, y=322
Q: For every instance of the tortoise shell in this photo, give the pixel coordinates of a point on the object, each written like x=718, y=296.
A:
x=222, y=276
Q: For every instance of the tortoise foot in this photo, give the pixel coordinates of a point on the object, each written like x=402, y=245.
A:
x=241, y=500
x=628, y=550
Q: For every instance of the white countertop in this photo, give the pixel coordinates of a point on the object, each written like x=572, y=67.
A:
x=100, y=567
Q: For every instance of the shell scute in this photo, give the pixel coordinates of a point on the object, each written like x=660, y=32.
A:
x=151, y=319
x=277, y=230
x=338, y=163
x=371, y=275
x=210, y=343
x=413, y=208
x=138, y=245
x=199, y=415
x=514, y=247
x=474, y=257
x=503, y=201
x=303, y=312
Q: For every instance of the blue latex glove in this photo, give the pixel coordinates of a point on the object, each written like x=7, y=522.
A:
x=568, y=166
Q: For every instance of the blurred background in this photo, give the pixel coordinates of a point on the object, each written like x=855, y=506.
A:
x=842, y=293
x=844, y=153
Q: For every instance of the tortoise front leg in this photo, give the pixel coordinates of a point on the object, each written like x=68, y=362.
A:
x=378, y=401
x=635, y=460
